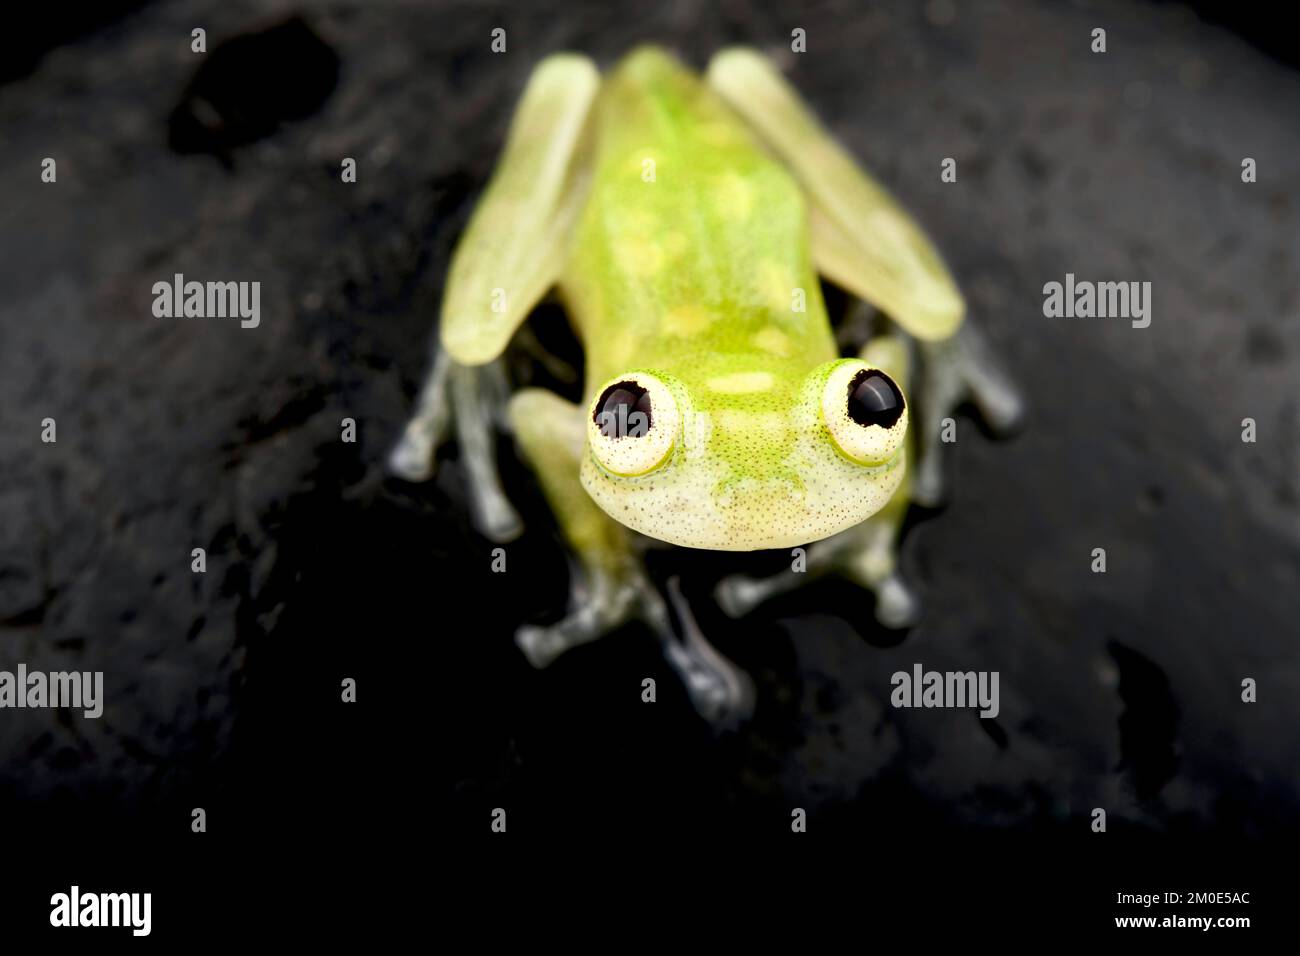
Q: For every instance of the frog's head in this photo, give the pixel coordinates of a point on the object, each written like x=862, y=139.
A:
x=736, y=461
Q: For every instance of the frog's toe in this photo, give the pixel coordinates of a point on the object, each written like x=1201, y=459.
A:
x=495, y=517
x=724, y=699
x=598, y=604
x=542, y=645
x=896, y=606
x=412, y=458
x=721, y=692
x=738, y=594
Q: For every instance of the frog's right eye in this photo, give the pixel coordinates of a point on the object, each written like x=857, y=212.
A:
x=633, y=424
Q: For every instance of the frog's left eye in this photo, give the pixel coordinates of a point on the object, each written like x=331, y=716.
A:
x=865, y=412
x=633, y=424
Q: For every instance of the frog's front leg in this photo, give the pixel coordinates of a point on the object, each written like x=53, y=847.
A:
x=866, y=554
x=511, y=253
x=953, y=370
x=473, y=399
x=609, y=585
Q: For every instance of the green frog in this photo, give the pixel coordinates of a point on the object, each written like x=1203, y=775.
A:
x=684, y=222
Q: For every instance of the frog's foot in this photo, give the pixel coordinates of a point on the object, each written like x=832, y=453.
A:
x=474, y=399
x=865, y=554
x=601, y=602
x=873, y=565
x=953, y=370
x=722, y=693
x=738, y=594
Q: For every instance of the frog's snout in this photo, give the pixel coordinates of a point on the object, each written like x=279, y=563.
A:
x=757, y=498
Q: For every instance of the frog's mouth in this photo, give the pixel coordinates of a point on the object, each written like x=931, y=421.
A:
x=743, y=514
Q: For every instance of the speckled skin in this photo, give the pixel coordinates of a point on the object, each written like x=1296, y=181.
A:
x=691, y=275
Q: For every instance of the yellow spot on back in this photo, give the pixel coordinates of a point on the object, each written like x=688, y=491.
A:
x=686, y=320
x=772, y=339
x=639, y=256
x=735, y=197
x=719, y=134
x=775, y=286
x=637, y=221
x=738, y=383
x=675, y=243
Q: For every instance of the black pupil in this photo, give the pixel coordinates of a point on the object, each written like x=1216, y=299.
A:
x=874, y=399
x=624, y=411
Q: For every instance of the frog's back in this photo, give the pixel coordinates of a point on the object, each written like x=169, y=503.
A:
x=693, y=241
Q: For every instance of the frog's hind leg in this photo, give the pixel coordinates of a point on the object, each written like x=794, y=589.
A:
x=609, y=585
x=866, y=553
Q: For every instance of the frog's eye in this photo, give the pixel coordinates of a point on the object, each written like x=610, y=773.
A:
x=633, y=424
x=865, y=413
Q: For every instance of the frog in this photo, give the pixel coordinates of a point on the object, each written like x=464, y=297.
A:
x=685, y=222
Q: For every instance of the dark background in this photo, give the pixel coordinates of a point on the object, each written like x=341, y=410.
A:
x=1119, y=690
